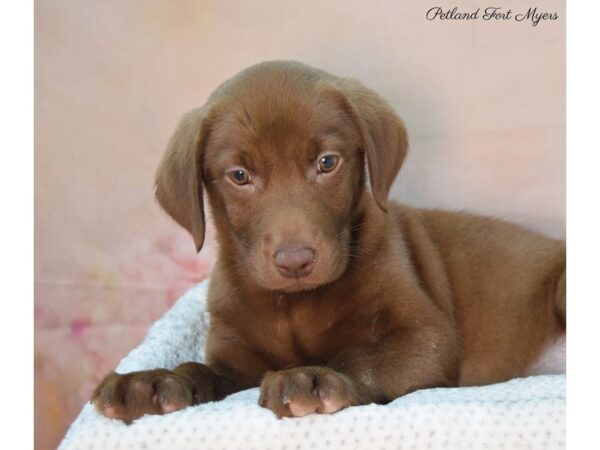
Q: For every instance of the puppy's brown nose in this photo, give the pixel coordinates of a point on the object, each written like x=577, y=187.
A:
x=295, y=262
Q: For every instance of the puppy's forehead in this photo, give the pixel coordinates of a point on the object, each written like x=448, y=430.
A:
x=270, y=127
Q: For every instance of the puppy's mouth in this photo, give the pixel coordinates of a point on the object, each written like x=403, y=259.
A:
x=298, y=285
x=308, y=283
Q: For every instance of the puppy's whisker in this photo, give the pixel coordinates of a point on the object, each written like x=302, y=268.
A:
x=348, y=231
x=244, y=243
x=235, y=268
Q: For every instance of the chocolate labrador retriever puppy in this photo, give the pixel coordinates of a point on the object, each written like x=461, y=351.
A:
x=325, y=294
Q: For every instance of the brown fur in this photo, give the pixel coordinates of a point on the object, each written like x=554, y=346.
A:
x=397, y=298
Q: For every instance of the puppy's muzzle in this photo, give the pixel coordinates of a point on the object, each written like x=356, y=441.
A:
x=295, y=261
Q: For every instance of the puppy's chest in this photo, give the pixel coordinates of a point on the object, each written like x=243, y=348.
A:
x=307, y=335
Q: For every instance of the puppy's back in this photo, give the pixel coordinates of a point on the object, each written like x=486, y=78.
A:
x=507, y=286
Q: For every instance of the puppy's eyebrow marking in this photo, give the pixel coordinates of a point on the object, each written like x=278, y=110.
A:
x=331, y=139
x=330, y=142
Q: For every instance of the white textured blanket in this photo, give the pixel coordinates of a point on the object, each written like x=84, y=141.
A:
x=523, y=413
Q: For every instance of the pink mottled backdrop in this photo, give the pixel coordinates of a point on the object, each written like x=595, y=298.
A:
x=484, y=103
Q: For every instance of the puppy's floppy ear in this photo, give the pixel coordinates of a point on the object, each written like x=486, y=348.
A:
x=383, y=136
x=179, y=175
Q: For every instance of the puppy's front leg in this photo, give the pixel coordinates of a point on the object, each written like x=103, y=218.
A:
x=407, y=359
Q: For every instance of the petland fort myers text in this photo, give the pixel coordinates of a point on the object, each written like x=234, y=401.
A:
x=492, y=13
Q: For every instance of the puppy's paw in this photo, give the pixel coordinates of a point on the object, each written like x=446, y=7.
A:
x=129, y=396
x=306, y=390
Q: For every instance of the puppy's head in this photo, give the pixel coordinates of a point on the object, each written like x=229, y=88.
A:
x=280, y=150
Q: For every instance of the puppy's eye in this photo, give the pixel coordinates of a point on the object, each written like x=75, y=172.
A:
x=239, y=177
x=327, y=163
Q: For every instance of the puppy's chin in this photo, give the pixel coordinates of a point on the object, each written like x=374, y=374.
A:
x=298, y=285
x=295, y=285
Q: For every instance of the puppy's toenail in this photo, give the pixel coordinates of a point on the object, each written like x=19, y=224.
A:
x=322, y=395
